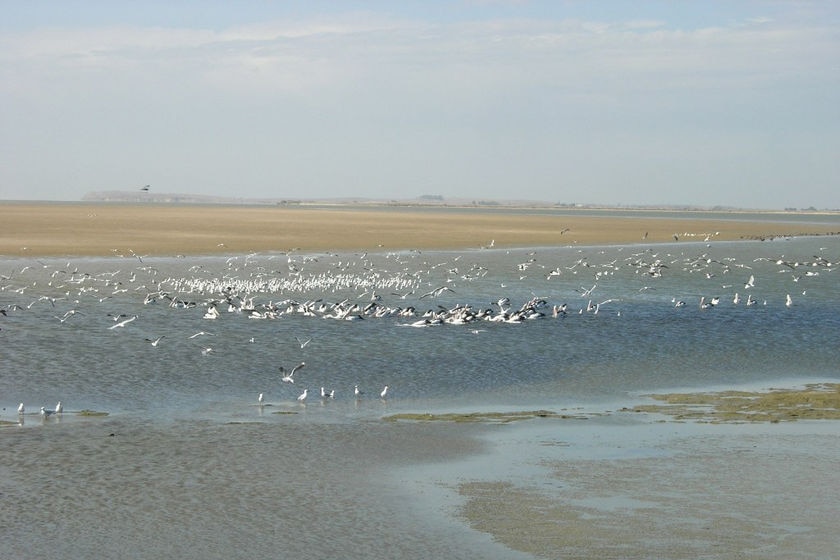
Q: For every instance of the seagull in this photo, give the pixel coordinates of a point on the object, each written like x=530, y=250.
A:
x=58, y=408
x=290, y=378
x=327, y=394
x=437, y=291
x=302, y=396
x=303, y=343
x=260, y=399
x=384, y=392
x=357, y=392
x=156, y=341
x=202, y=333
x=123, y=322
x=788, y=300
x=206, y=351
x=46, y=413
x=21, y=408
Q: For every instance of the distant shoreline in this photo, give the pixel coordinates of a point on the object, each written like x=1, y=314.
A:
x=105, y=229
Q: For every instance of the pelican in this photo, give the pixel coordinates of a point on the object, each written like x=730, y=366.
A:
x=290, y=378
x=302, y=396
x=384, y=392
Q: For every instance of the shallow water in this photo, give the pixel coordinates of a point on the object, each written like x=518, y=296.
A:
x=195, y=468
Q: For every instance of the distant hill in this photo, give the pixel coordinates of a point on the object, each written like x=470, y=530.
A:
x=150, y=196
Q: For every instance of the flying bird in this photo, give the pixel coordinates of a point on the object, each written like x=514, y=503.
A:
x=290, y=377
x=122, y=323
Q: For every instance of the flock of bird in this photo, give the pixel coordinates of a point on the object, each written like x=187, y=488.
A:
x=393, y=285
x=44, y=412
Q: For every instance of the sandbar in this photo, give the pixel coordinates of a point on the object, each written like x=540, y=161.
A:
x=105, y=229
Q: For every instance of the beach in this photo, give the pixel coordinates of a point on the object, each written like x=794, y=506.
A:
x=85, y=229
x=567, y=436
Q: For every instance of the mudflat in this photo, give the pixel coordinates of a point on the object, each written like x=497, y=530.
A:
x=101, y=229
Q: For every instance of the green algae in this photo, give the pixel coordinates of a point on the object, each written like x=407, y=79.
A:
x=816, y=401
x=91, y=413
x=488, y=417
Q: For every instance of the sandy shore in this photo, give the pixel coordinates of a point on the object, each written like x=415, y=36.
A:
x=58, y=229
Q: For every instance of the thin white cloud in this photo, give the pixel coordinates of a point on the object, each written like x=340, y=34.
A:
x=463, y=96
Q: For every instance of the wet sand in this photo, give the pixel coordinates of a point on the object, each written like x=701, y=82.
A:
x=636, y=485
x=716, y=493
x=84, y=229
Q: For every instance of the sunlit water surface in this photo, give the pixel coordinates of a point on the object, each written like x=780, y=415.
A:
x=186, y=462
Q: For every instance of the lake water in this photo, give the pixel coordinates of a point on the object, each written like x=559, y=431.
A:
x=186, y=463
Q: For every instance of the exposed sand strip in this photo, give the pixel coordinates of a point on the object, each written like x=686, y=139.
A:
x=42, y=229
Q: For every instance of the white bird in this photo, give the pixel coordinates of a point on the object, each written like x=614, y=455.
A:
x=21, y=408
x=156, y=341
x=327, y=394
x=302, y=396
x=123, y=323
x=206, y=351
x=384, y=392
x=201, y=333
x=356, y=391
x=45, y=412
x=290, y=378
x=211, y=313
x=750, y=283
x=260, y=399
x=788, y=300
x=303, y=343
x=58, y=408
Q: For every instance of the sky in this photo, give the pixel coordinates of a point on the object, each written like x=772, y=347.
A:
x=708, y=103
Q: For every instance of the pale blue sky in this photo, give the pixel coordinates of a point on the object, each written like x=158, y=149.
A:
x=704, y=103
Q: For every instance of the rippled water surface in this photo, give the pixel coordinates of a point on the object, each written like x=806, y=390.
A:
x=186, y=462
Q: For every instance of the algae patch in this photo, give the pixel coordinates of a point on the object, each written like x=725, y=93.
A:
x=489, y=417
x=816, y=401
x=91, y=413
